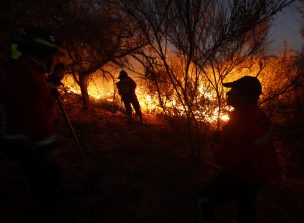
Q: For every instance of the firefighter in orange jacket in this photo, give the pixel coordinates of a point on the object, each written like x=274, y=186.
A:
x=28, y=137
x=126, y=89
x=245, y=154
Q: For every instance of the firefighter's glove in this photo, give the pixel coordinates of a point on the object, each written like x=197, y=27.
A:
x=54, y=80
x=54, y=91
x=57, y=75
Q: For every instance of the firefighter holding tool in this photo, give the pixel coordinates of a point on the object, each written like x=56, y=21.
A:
x=28, y=136
x=126, y=89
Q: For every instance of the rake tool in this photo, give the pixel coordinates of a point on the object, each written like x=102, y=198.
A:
x=66, y=117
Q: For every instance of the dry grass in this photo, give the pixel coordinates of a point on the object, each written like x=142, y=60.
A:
x=143, y=174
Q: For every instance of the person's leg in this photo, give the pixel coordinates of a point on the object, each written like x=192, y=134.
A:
x=246, y=205
x=128, y=108
x=215, y=193
x=44, y=177
x=45, y=182
x=205, y=210
x=137, y=109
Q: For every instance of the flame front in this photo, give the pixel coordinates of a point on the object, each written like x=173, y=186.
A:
x=149, y=102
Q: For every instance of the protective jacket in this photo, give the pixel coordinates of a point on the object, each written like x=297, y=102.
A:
x=28, y=103
x=246, y=149
x=126, y=87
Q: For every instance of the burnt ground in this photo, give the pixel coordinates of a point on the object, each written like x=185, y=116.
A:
x=144, y=174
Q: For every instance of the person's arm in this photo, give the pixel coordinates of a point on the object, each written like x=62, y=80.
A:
x=119, y=87
x=132, y=84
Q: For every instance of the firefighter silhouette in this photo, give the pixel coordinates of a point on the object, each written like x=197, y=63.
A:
x=126, y=89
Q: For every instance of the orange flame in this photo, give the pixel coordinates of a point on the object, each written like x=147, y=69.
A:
x=149, y=103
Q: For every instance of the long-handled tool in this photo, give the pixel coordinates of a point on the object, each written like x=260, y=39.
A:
x=88, y=175
x=66, y=117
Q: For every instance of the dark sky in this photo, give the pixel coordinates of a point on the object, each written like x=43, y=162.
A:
x=286, y=27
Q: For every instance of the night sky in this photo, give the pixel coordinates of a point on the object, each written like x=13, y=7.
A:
x=286, y=27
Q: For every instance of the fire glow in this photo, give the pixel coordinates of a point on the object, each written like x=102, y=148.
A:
x=101, y=90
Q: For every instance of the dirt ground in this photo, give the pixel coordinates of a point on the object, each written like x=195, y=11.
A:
x=144, y=174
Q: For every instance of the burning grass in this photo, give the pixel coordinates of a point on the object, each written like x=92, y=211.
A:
x=105, y=93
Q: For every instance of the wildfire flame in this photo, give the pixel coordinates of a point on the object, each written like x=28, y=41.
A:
x=149, y=102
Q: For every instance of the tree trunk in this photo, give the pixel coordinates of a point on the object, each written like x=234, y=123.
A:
x=83, y=83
